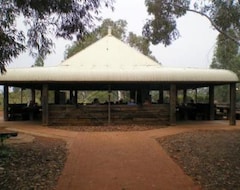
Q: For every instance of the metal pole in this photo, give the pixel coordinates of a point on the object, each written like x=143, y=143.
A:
x=109, y=105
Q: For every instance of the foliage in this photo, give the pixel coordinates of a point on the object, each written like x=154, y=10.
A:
x=139, y=42
x=18, y=96
x=43, y=18
x=39, y=62
x=118, y=29
x=87, y=97
x=226, y=56
x=162, y=27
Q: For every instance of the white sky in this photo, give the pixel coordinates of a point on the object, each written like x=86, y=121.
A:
x=193, y=49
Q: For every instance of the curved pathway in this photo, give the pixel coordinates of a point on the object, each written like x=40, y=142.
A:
x=120, y=160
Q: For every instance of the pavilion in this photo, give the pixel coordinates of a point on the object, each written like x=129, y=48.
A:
x=111, y=65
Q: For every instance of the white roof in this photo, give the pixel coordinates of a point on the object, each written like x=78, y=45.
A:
x=108, y=60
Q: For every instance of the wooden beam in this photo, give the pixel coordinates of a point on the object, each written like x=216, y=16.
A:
x=57, y=96
x=211, y=103
x=45, y=104
x=185, y=96
x=71, y=96
x=76, y=97
x=33, y=95
x=160, y=96
x=5, y=102
x=173, y=99
x=109, y=105
x=185, y=91
x=232, y=114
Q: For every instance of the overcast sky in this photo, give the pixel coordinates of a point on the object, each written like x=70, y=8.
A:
x=193, y=49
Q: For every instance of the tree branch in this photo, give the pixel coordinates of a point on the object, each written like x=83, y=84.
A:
x=211, y=21
x=215, y=26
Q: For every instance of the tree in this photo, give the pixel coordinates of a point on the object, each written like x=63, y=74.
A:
x=42, y=18
x=226, y=56
x=118, y=30
x=162, y=27
x=139, y=42
x=39, y=62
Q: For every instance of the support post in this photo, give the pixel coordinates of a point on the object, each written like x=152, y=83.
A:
x=5, y=102
x=33, y=95
x=160, y=97
x=196, y=95
x=109, y=105
x=185, y=104
x=185, y=96
x=232, y=114
x=57, y=96
x=76, y=97
x=173, y=99
x=71, y=96
x=211, y=103
x=45, y=104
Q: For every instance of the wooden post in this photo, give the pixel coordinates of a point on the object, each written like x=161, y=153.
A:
x=211, y=103
x=232, y=114
x=71, y=96
x=196, y=95
x=5, y=102
x=109, y=106
x=57, y=96
x=45, y=104
x=185, y=104
x=21, y=96
x=33, y=95
x=160, y=96
x=76, y=97
x=173, y=99
x=185, y=96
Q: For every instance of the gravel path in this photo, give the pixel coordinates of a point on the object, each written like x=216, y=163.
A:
x=212, y=158
x=33, y=165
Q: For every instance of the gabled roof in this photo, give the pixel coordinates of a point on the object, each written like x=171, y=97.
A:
x=111, y=60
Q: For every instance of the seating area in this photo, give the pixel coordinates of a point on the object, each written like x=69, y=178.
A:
x=23, y=112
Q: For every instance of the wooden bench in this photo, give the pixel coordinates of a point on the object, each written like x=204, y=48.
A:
x=6, y=134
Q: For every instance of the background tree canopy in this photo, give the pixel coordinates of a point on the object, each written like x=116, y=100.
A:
x=42, y=18
x=162, y=28
x=119, y=30
x=226, y=56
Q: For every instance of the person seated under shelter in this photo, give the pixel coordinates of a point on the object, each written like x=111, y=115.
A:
x=147, y=102
x=95, y=101
x=131, y=102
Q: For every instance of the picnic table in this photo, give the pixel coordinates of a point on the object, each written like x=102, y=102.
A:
x=5, y=134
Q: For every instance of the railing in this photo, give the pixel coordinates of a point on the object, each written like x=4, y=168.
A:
x=99, y=114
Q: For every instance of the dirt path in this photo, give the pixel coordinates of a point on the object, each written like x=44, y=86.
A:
x=120, y=160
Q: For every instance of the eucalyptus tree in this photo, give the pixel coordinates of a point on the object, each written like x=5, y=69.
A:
x=119, y=30
x=42, y=20
x=226, y=56
x=162, y=25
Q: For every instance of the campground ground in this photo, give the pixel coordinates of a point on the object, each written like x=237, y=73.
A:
x=138, y=159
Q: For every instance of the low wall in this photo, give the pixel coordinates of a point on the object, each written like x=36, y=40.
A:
x=99, y=114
